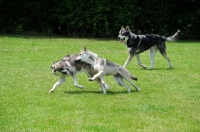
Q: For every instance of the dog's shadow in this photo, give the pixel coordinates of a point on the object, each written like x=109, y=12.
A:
x=156, y=69
x=99, y=92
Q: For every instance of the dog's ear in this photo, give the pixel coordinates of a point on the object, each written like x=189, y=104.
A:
x=52, y=67
x=122, y=28
x=85, y=48
x=127, y=28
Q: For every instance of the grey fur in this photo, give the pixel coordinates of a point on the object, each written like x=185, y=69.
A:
x=105, y=67
x=68, y=67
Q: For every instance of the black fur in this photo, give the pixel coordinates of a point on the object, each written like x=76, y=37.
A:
x=140, y=43
x=147, y=41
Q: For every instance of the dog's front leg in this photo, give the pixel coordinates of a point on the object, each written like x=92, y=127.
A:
x=102, y=85
x=103, y=81
x=152, y=53
x=139, y=62
x=62, y=80
x=75, y=81
x=103, y=88
x=98, y=75
x=128, y=60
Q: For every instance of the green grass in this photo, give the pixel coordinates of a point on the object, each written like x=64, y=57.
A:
x=169, y=100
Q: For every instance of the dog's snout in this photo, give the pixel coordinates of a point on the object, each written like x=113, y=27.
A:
x=51, y=67
x=77, y=60
x=53, y=71
x=120, y=35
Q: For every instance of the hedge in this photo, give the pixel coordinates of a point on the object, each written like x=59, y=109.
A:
x=102, y=18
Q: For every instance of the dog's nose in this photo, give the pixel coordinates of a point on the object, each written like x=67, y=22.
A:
x=77, y=60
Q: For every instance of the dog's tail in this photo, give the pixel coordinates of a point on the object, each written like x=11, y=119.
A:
x=173, y=37
x=133, y=77
x=125, y=71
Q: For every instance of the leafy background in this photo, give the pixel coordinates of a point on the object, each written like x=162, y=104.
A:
x=100, y=18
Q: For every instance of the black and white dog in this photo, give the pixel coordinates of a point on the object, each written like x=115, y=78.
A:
x=140, y=43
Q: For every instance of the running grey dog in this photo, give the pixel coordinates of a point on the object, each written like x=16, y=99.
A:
x=67, y=66
x=105, y=67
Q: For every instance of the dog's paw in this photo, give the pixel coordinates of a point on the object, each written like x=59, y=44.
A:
x=143, y=66
x=90, y=79
x=137, y=89
x=79, y=86
x=107, y=86
x=50, y=91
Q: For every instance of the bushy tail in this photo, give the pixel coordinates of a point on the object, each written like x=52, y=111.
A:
x=125, y=71
x=133, y=77
x=174, y=37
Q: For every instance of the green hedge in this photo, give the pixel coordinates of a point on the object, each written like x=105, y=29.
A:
x=103, y=18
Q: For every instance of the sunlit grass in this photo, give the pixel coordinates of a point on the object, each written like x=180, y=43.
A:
x=169, y=99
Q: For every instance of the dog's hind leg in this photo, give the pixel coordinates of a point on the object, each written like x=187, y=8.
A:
x=167, y=58
x=136, y=87
x=129, y=80
x=103, y=88
x=128, y=60
x=120, y=81
x=152, y=53
x=75, y=81
x=162, y=49
x=102, y=85
x=103, y=81
x=99, y=74
x=139, y=62
x=62, y=80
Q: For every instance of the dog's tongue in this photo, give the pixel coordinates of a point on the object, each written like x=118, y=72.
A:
x=121, y=41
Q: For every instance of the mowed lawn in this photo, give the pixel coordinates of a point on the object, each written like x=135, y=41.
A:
x=169, y=100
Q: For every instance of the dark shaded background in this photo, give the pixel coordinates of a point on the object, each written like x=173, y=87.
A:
x=104, y=18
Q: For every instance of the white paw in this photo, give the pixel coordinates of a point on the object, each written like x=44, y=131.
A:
x=107, y=86
x=50, y=91
x=90, y=79
x=79, y=86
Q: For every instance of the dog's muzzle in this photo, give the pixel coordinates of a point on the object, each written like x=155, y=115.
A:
x=77, y=60
x=122, y=38
x=61, y=73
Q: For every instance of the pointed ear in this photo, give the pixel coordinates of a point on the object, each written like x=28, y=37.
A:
x=51, y=66
x=127, y=27
x=85, y=48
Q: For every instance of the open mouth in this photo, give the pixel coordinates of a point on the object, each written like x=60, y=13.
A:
x=122, y=40
x=64, y=72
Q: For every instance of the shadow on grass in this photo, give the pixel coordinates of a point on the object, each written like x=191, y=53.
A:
x=99, y=92
x=54, y=36
x=155, y=69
